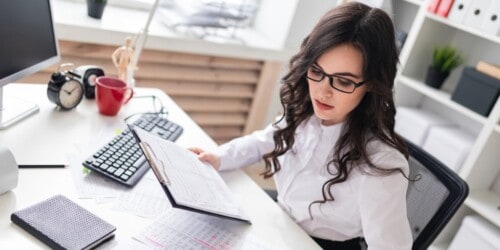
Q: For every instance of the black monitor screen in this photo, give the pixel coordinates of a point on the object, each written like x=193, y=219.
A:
x=27, y=35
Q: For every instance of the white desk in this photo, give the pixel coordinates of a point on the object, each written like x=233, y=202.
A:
x=47, y=136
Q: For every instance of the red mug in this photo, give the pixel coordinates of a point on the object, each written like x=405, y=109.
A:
x=110, y=94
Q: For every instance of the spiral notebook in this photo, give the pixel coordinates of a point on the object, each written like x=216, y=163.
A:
x=187, y=182
x=62, y=224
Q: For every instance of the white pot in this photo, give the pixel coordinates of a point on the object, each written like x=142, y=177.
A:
x=9, y=171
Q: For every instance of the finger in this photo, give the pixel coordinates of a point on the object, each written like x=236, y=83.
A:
x=205, y=157
x=210, y=159
x=195, y=150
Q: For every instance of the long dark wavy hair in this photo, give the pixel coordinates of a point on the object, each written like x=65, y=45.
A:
x=371, y=31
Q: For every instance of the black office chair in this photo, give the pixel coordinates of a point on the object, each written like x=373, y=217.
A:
x=433, y=198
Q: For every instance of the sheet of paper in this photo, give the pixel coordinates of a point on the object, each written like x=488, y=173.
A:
x=91, y=185
x=146, y=199
x=192, y=183
x=123, y=244
x=180, y=229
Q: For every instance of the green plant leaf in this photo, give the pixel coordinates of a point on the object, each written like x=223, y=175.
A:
x=446, y=58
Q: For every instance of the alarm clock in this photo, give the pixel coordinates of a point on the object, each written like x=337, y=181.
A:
x=64, y=89
x=87, y=75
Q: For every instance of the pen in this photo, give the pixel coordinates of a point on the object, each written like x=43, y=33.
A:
x=41, y=165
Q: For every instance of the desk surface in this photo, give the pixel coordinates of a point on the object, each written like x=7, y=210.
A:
x=47, y=137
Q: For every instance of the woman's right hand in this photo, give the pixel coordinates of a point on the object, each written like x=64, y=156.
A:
x=207, y=157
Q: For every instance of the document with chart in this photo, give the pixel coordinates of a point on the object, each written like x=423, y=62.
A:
x=188, y=182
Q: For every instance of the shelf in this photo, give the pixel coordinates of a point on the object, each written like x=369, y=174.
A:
x=470, y=30
x=485, y=203
x=442, y=97
x=118, y=22
x=426, y=30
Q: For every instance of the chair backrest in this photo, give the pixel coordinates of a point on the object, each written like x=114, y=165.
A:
x=433, y=198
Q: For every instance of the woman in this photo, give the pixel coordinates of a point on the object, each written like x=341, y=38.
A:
x=339, y=168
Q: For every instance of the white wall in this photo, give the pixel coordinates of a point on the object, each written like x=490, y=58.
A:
x=306, y=14
x=288, y=21
x=274, y=18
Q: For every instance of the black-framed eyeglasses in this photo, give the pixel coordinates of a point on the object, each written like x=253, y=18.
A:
x=342, y=84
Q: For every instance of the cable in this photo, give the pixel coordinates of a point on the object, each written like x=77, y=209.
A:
x=156, y=101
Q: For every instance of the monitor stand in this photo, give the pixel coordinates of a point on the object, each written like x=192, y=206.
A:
x=13, y=110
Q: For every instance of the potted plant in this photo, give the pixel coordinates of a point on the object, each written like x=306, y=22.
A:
x=95, y=8
x=444, y=60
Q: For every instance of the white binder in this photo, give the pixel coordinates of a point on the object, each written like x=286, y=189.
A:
x=458, y=11
x=491, y=22
x=476, y=13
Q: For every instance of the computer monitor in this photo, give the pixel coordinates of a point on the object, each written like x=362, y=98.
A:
x=28, y=44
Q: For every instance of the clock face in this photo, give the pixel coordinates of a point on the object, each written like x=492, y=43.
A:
x=71, y=94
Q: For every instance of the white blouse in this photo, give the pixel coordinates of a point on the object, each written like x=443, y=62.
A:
x=366, y=205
